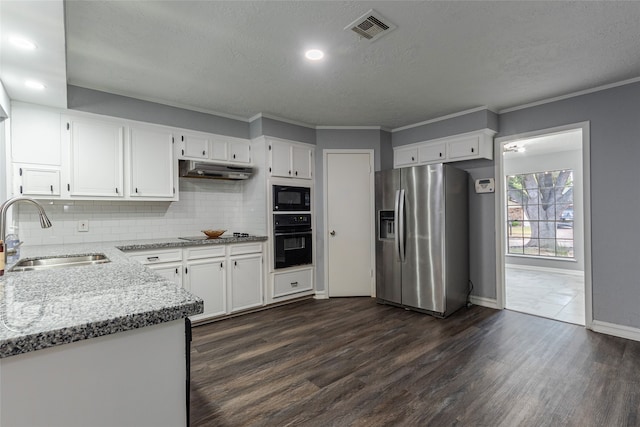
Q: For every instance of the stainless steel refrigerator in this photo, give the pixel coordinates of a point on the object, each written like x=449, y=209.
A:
x=422, y=242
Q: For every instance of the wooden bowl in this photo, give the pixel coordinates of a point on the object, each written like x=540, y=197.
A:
x=213, y=234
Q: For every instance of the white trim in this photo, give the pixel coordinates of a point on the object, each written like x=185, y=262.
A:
x=500, y=224
x=569, y=95
x=439, y=119
x=321, y=295
x=329, y=127
x=280, y=119
x=553, y=270
x=325, y=211
x=484, y=302
x=616, y=330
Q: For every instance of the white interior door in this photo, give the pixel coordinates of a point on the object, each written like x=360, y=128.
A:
x=349, y=222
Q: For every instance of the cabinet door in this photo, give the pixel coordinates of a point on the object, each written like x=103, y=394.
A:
x=194, y=146
x=35, y=135
x=96, y=158
x=239, y=151
x=405, y=157
x=170, y=271
x=37, y=182
x=219, y=150
x=463, y=148
x=246, y=282
x=206, y=279
x=280, y=158
x=301, y=158
x=152, y=164
x=432, y=153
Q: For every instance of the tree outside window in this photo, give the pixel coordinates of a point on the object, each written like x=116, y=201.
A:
x=540, y=214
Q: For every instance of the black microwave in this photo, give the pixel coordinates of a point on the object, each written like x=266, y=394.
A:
x=290, y=199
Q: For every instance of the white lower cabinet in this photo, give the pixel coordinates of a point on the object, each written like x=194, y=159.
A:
x=245, y=282
x=206, y=278
x=228, y=278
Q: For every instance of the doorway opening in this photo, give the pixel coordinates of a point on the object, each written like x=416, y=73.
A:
x=544, y=260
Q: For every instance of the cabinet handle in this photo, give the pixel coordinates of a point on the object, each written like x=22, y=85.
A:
x=153, y=258
x=136, y=189
x=21, y=189
x=204, y=153
x=176, y=270
x=52, y=189
x=294, y=284
x=221, y=267
x=234, y=156
x=182, y=152
x=20, y=171
x=117, y=190
x=289, y=172
x=472, y=149
x=68, y=187
x=440, y=154
x=296, y=173
x=235, y=263
x=186, y=270
x=413, y=159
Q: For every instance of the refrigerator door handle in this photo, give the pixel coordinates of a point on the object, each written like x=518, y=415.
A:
x=401, y=228
x=396, y=228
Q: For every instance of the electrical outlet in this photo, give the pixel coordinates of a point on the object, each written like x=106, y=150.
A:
x=83, y=225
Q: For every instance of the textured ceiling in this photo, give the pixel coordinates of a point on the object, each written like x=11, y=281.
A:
x=241, y=58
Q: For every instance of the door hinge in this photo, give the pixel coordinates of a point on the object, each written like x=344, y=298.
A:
x=173, y=140
x=269, y=147
x=20, y=171
x=68, y=126
x=174, y=190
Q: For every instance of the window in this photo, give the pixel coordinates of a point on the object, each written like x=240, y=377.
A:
x=540, y=214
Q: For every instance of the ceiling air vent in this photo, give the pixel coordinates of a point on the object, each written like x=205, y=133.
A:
x=371, y=26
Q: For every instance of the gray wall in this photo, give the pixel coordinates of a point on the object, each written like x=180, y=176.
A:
x=93, y=101
x=338, y=139
x=615, y=202
x=278, y=129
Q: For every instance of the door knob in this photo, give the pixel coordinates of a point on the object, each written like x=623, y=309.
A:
x=333, y=232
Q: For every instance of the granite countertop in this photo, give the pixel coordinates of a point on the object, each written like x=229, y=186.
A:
x=40, y=309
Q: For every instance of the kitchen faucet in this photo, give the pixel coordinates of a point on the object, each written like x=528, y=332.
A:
x=44, y=221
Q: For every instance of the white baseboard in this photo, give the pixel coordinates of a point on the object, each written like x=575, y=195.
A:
x=616, y=330
x=484, y=302
x=321, y=295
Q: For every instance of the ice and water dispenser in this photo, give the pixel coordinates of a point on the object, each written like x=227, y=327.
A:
x=387, y=225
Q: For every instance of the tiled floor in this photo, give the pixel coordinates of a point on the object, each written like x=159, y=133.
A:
x=554, y=295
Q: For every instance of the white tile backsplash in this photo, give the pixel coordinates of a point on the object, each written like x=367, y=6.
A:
x=203, y=204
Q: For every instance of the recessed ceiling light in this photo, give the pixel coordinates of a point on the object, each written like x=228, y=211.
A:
x=32, y=84
x=22, y=43
x=314, y=54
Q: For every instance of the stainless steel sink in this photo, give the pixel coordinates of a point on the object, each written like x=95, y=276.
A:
x=46, y=263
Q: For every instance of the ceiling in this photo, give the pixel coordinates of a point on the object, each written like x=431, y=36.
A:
x=241, y=58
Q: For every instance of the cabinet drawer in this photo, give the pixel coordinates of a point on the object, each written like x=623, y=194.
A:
x=292, y=282
x=204, y=252
x=157, y=256
x=250, y=248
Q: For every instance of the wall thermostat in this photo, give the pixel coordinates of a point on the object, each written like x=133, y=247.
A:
x=485, y=185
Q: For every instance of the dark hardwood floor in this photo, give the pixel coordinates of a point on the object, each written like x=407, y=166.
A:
x=352, y=362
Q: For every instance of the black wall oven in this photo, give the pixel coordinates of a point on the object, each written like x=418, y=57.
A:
x=289, y=199
x=292, y=241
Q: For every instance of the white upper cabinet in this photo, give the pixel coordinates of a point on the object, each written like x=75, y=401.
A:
x=194, y=146
x=35, y=135
x=219, y=148
x=472, y=145
x=151, y=163
x=97, y=157
x=34, y=181
x=290, y=159
x=405, y=157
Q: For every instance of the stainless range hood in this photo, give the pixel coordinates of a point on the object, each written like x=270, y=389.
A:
x=208, y=170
